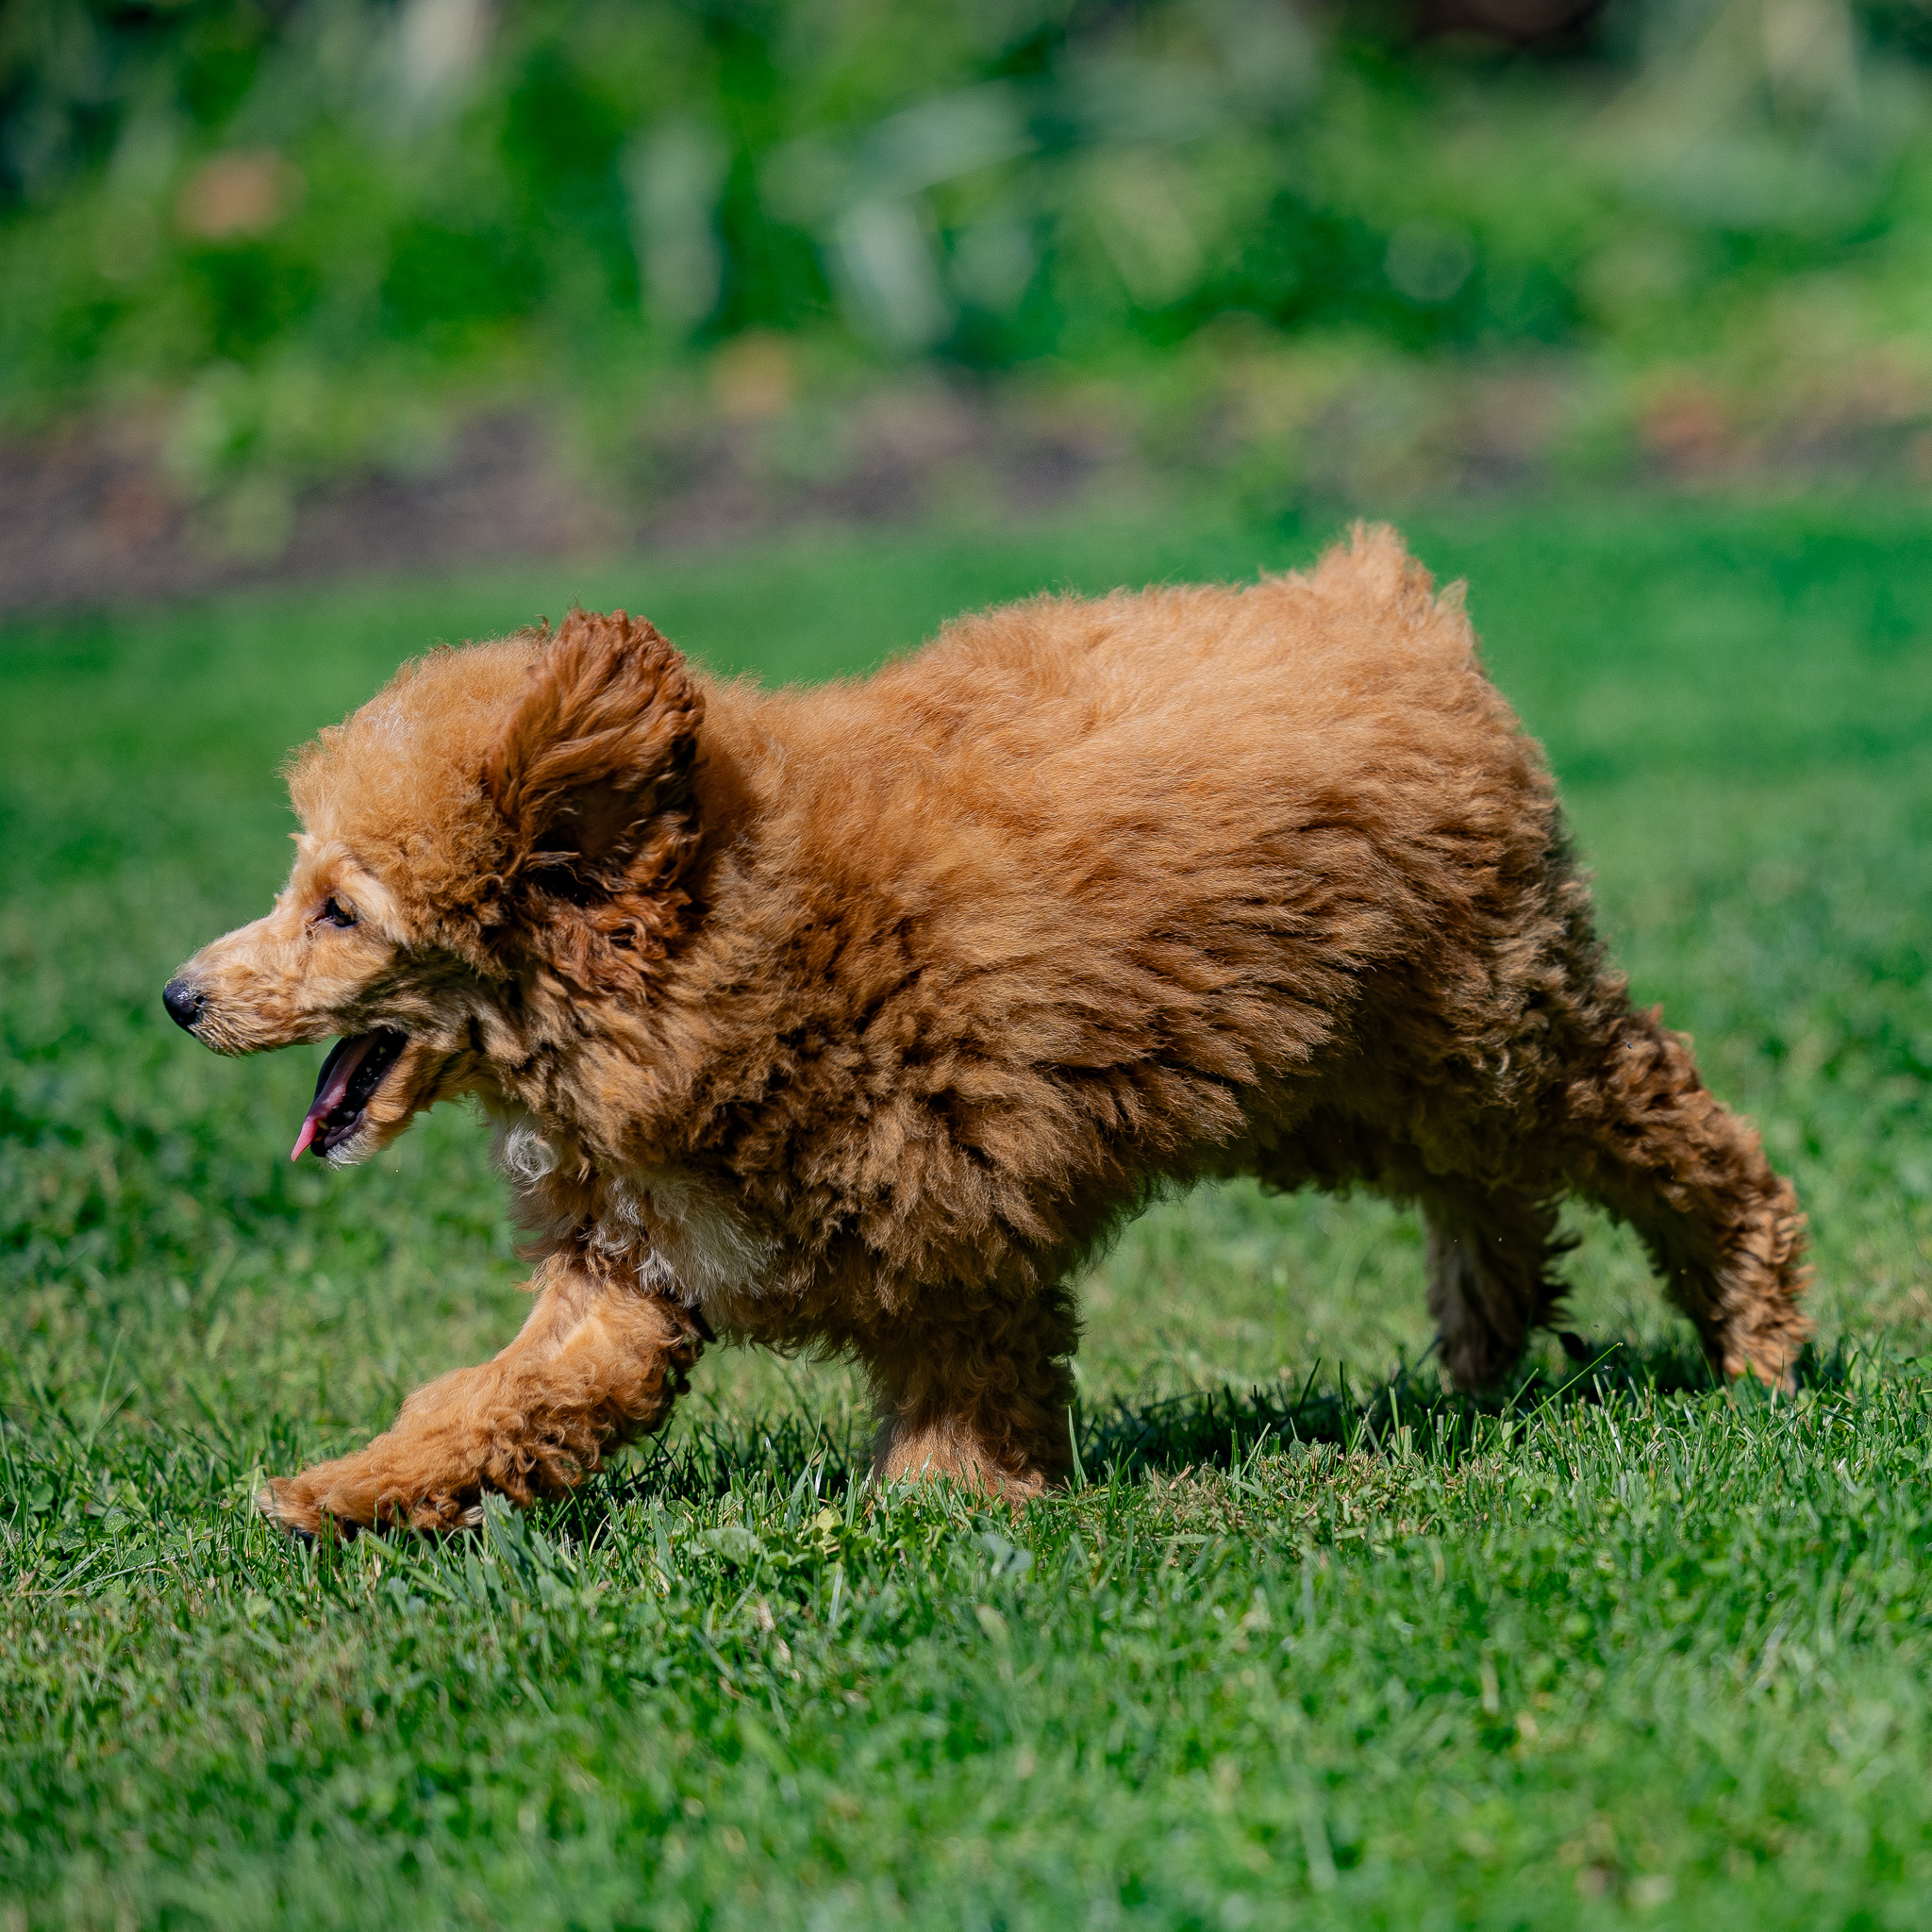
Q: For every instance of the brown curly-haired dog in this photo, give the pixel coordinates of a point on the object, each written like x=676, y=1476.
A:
x=852, y=1019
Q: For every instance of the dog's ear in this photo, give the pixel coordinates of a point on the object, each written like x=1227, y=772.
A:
x=592, y=772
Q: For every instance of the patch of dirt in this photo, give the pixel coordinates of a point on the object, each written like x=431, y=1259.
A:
x=94, y=516
x=91, y=516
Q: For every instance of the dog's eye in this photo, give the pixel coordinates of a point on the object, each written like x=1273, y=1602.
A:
x=335, y=913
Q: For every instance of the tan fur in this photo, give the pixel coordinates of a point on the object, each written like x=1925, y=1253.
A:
x=852, y=1019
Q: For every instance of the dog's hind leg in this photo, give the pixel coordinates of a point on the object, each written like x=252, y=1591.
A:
x=1647, y=1140
x=599, y=1362
x=1491, y=1255
x=1491, y=1248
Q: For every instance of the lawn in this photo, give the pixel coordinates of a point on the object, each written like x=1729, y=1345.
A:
x=1313, y=1644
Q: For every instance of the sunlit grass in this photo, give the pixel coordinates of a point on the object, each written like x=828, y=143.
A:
x=1315, y=1643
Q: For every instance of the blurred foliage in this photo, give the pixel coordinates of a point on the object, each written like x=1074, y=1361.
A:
x=290, y=228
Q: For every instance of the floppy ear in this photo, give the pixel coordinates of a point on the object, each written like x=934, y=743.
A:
x=592, y=773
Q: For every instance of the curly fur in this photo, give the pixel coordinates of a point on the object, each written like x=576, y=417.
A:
x=852, y=1019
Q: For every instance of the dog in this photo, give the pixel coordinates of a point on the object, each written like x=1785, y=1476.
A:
x=852, y=1019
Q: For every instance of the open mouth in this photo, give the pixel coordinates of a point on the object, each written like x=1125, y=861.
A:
x=350, y=1075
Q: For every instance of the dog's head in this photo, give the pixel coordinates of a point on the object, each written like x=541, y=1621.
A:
x=501, y=832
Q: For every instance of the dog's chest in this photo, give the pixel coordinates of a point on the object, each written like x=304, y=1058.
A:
x=683, y=1236
x=714, y=1255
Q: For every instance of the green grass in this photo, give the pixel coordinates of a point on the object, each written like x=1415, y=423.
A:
x=1315, y=1645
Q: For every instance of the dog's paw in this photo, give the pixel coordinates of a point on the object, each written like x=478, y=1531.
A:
x=285, y=1503
x=334, y=1500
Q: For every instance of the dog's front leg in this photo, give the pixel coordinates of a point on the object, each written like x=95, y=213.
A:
x=985, y=1402
x=599, y=1362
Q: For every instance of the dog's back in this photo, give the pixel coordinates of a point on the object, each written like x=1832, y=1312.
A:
x=1267, y=689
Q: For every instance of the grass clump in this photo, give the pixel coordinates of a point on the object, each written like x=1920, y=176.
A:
x=1313, y=1641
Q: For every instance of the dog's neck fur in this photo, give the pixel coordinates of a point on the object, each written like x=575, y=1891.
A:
x=619, y=1115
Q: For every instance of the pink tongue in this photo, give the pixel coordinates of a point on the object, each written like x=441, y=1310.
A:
x=330, y=1097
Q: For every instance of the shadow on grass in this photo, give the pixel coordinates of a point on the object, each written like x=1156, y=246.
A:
x=1211, y=1429
x=1207, y=1430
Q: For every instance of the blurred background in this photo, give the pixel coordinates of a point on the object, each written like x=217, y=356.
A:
x=292, y=287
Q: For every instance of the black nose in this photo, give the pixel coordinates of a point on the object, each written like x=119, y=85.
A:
x=183, y=1002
